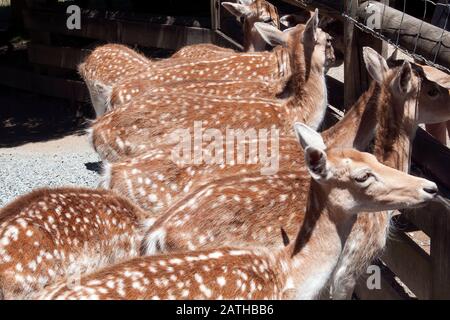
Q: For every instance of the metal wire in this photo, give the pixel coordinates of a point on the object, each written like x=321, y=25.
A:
x=444, y=23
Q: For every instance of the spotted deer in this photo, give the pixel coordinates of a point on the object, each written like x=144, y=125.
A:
x=54, y=234
x=223, y=212
x=225, y=88
x=281, y=64
x=144, y=123
x=343, y=184
x=106, y=66
x=396, y=129
x=333, y=26
x=137, y=178
x=439, y=130
x=111, y=64
x=247, y=11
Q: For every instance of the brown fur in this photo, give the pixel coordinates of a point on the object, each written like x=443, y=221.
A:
x=53, y=234
x=140, y=124
x=254, y=273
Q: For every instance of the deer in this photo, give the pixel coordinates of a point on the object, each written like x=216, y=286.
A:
x=227, y=206
x=343, y=184
x=226, y=88
x=331, y=25
x=248, y=12
x=106, y=66
x=54, y=234
x=138, y=125
x=137, y=178
x=110, y=64
x=396, y=129
x=277, y=65
x=441, y=130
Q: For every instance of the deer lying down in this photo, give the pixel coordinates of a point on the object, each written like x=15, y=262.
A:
x=105, y=67
x=137, y=178
x=111, y=64
x=145, y=123
x=224, y=88
x=223, y=212
x=278, y=65
x=249, y=12
x=54, y=234
x=342, y=185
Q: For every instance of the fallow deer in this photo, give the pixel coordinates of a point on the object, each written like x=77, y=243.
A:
x=50, y=235
x=332, y=26
x=230, y=88
x=247, y=11
x=106, y=66
x=137, y=178
x=144, y=123
x=278, y=65
x=111, y=64
x=227, y=205
x=344, y=182
x=396, y=128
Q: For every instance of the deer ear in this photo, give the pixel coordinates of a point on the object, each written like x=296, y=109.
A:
x=375, y=64
x=310, y=33
x=270, y=34
x=236, y=9
x=403, y=79
x=316, y=162
x=308, y=137
x=246, y=2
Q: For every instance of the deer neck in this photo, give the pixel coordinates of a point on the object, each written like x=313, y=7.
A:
x=357, y=128
x=309, y=98
x=309, y=261
x=253, y=42
x=396, y=128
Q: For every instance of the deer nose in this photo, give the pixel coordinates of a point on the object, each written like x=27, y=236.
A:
x=431, y=189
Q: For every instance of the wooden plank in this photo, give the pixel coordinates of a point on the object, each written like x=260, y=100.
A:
x=61, y=57
x=389, y=288
x=45, y=85
x=410, y=263
x=433, y=42
x=440, y=252
x=330, y=8
x=121, y=31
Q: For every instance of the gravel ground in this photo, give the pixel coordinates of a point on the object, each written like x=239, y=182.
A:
x=69, y=161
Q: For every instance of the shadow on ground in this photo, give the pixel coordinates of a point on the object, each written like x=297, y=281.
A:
x=27, y=117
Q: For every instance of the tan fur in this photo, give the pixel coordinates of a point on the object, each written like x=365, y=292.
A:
x=53, y=234
x=297, y=271
x=142, y=123
x=395, y=130
x=230, y=88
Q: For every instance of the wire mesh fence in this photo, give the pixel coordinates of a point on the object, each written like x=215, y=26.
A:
x=419, y=28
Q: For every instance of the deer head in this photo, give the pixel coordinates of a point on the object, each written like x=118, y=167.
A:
x=307, y=40
x=332, y=26
x=355, y=181
x=408, y=83
x=250, y=12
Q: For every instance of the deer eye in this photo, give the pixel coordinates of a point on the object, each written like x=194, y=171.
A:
x=362, y=178
x=434, y=92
